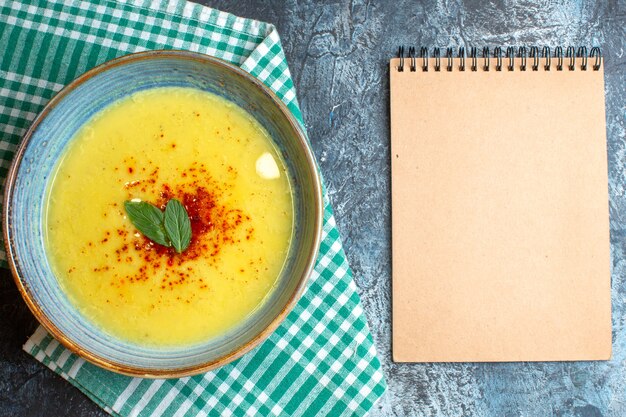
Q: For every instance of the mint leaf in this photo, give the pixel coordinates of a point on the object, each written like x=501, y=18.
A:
x=177, y=225
x=148, y=219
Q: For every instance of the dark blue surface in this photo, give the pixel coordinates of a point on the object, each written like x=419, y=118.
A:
x=338, y=54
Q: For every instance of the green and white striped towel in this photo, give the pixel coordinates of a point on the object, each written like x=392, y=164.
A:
x=321, y=360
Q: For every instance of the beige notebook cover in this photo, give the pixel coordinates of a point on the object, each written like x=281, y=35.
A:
x=500, y=218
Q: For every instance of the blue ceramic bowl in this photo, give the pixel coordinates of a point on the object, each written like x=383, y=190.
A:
x=45, y=143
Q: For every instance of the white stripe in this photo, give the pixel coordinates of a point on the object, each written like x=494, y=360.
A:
x=25, y=79
x=52, y=366
x=188, y=10
x=169, y=397
x=23, y=114
x=77, y=34
x=29, y=345
x=147, y=396
x=51, y=347
x=40, y=356
x=128, y=391
x=76, y=367
x=183, y=408
x=63, y=358
x=35, y=339
x=11, y=130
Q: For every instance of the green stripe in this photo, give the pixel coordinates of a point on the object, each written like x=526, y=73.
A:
x=287, y=382
x=59, y=54
x=4, y=11
x=13, y=37
x=156, y=398
x=24, y=42
x=320, y=401
x=272, y=370
x=135, y=397
x=302, y=391
x=42, y=45
x=337, y=409
x=77, y=53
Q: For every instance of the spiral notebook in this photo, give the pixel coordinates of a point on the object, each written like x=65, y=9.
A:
x=500, y=218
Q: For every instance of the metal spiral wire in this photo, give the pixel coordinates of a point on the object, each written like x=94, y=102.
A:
x=522, y=53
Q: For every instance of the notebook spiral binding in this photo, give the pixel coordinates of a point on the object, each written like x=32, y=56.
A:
x=571, y=55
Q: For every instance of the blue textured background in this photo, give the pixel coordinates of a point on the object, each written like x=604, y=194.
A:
x=338, y=53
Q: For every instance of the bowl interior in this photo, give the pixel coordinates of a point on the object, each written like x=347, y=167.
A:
x=45, y=144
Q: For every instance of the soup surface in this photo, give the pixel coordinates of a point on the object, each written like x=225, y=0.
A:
x=156, y=145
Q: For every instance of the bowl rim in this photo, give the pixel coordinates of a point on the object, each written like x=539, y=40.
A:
x=14, y=262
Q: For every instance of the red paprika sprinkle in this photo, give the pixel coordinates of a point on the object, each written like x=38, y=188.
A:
x=214, y=225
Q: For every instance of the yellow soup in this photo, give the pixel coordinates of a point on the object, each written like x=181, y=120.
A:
x=156, y=145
